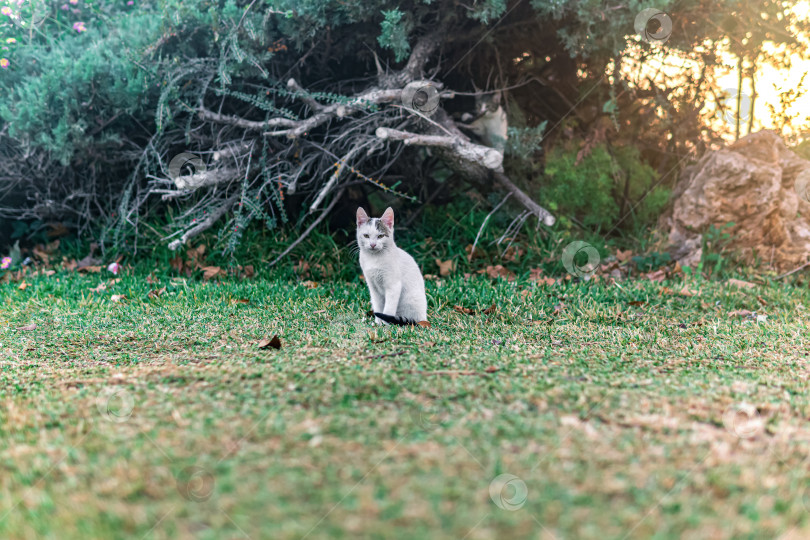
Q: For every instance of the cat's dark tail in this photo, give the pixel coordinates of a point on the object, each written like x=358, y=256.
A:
x=399, y=321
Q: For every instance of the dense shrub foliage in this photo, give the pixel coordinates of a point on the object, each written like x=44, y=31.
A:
x=98, y=96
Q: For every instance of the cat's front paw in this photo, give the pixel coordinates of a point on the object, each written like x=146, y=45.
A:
x=379, y=322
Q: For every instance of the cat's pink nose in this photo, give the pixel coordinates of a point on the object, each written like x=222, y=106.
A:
x=373, y=245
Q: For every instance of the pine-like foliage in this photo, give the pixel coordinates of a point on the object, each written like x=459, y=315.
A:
x=98, y=98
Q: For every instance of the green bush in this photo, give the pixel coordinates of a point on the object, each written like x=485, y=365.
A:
x=592, y=191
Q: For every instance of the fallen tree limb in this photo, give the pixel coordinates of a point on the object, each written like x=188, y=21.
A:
x=336, y=110
x=205, y=178
x=475, y=153
x=244, y=123
x=542, y=214
x=481, y=163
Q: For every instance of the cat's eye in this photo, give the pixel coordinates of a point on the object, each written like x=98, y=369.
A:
x=380, y=235
x=365, y=236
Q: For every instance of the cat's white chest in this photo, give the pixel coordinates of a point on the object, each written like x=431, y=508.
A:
x=374, y=272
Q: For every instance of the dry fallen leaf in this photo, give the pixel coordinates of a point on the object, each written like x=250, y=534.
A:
x=491, y=369
x=301, y=268
x=176, y=263
x=499, y=271
x=424, y=324
x=100, y=288
x=309, y=284
x=210, y=272
x=740, y=283
x=23, y=286
x=659, y=275
x=464, y=310
x=490, y=309
x=624, y=256
x=91, y=268
x=446, y=267
x=686, y=291
x=117, y=298
x=28, y=328
x=156, y=293
x=636, y=303
x=513, y=253
x=273, y=342
x=740, y=313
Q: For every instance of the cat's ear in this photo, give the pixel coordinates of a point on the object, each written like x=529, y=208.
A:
x=388, y=218
x=362, y=217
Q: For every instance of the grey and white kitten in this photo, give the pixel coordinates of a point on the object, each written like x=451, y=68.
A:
x=490, y=123
x=393, y=277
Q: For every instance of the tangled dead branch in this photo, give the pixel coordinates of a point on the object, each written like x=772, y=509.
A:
x=313, y=144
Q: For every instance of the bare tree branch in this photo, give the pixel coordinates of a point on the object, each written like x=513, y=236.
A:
x=310, y=228
x=207, y=222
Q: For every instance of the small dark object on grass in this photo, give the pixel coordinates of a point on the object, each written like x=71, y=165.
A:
x=273, y=342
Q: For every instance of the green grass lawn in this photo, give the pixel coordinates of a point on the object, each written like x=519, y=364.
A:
x=621, y=411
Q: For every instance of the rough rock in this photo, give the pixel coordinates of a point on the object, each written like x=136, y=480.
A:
x=756, y=183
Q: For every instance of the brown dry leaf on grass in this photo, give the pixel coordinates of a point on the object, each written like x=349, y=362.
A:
x=176, y=263
x=624, y=256
x=28, y=327
x=513, y=253
x=118, y=298
x=740, y=313
x=498, y=271
x=101, y=287
x=273, y=342
x=210, y=272
x=490, y=309
x=536, y=275
x=659, y=275
x=446, y=267
x=24, y=285
x=740, y=283
x=309, y=284
x=156, y=293
x=464, y=310
x=424, y=324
